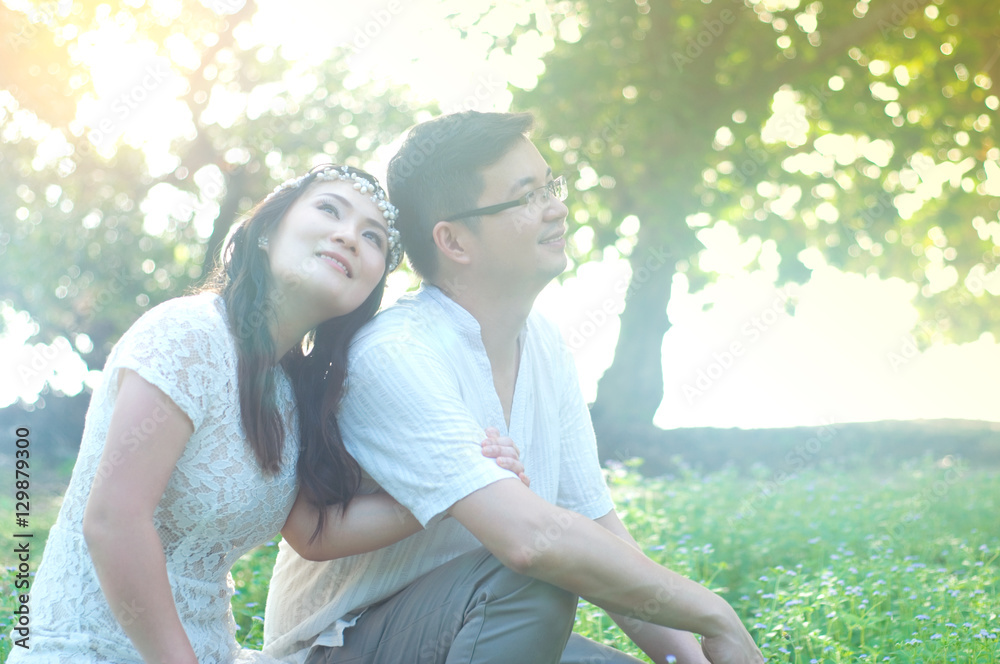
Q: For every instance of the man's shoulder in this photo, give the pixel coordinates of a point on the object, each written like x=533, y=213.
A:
x=414, y=321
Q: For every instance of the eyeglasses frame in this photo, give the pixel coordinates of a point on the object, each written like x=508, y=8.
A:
x=523, y=200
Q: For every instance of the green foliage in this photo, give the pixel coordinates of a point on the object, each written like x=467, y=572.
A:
x=251, y=576
x=830, y=565
x=666, y=102
x=688, y=114
x=659, y=109
x=93, y=235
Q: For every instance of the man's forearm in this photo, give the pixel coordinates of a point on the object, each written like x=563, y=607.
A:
x=573, y=552
x=597, y=565
x=656, y=641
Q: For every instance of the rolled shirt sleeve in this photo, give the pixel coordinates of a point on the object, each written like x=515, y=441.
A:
x=404, y=419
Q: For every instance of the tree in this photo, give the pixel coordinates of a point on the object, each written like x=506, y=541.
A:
x=92, y=229
x=686, y=114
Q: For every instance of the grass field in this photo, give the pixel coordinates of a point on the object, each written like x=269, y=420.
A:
x=826, y=566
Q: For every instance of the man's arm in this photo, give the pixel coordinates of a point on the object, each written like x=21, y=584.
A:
x=654, y=640
x=580, y=464
x=568, y=550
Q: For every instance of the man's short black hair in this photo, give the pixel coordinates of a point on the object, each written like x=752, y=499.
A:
x=438, y=172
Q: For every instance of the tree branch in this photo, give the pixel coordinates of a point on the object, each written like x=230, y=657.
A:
x=836, y=44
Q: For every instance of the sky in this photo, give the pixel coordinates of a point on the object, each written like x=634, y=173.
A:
x=745, y=352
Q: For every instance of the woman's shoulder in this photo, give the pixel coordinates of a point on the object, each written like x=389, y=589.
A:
x=206, y=307
x=184, y=348
x=187, y=325
x=198, y=314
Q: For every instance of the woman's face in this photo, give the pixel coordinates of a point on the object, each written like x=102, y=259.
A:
x=329, y=250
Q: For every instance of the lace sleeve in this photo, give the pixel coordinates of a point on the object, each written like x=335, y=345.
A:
x=183, y=347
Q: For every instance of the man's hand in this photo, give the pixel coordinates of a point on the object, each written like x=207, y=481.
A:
x=505, y=451
x=735, y=646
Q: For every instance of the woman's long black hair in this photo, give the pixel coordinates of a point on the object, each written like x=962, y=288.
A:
x=327, y=474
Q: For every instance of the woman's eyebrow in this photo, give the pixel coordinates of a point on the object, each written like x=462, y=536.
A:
x=371, y=221
x=340, y=199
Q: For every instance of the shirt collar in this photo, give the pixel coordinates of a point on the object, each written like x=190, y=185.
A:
x=459, y=315
x=455, y=312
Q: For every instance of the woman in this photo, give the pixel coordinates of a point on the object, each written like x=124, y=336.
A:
x=194, y=450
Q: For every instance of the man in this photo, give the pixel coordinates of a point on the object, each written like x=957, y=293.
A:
x=483, y=223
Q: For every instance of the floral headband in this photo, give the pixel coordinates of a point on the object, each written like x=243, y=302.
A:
x=363, y=185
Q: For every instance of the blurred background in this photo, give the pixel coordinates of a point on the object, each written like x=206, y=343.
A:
x=784, y=215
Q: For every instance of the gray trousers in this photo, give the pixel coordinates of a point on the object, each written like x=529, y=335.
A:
x=470, y=610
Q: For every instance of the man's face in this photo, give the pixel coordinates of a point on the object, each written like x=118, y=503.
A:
x=523, y=245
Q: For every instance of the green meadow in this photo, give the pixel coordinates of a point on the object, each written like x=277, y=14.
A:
x=830, y=565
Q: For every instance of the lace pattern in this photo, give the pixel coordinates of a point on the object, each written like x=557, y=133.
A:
x=216, y=507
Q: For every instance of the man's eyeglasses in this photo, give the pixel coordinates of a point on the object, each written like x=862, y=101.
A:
x=555, y=189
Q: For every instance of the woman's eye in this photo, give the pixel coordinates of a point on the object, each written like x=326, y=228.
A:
x=375, y=237
x=330, y=208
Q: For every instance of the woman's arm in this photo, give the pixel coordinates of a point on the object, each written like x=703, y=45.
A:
x=118, y=522
x=369, y=522
x=372, y=521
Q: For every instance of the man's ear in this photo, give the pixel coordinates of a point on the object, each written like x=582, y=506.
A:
x=454, y=240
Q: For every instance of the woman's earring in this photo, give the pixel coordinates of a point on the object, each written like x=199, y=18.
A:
x=262, y=242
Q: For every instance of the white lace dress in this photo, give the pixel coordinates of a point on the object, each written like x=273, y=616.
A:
x=217, y=505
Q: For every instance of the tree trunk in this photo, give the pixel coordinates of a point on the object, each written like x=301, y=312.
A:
x=631, y=390
x=236, y=188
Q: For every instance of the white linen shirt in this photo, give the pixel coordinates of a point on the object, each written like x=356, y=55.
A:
x=419, y=397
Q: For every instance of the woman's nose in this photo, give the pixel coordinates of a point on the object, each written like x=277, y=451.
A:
x=346, y=234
